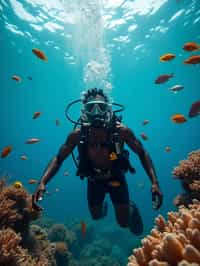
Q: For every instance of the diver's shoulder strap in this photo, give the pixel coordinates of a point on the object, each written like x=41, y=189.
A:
x=84, y=133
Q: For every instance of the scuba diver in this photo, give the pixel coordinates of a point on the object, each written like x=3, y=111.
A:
x=99, y=137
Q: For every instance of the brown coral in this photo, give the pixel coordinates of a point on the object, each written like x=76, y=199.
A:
x=188, y=172
x=12, y=254
x=189, y=168
x=173, y=242
x=195, y=186
x=16, y=209
x=16, y=214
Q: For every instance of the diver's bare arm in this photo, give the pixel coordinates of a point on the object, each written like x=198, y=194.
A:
x=63, y=153
x=138, y=148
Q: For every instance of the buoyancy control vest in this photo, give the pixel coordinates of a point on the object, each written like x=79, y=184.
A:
x=118, y=154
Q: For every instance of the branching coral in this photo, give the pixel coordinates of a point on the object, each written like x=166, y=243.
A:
x=188, y=172
x=173, y=242
x=12, y=254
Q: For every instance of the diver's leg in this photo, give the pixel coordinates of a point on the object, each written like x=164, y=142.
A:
x=120, y=199
x=95, y=195
x=122, y=214
x=126, y=212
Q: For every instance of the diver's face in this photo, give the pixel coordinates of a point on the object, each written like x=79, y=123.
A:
x=96, y=110
x=96, y=106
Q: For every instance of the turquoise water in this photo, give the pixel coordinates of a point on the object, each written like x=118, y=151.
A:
x=114, y=45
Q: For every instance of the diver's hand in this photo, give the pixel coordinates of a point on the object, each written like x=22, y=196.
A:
x=157, y=196
x=38, y=195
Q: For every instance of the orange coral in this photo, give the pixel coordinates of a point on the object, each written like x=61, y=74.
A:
x=173, y=242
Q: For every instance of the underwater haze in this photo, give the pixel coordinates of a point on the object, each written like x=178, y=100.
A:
x=115, y=45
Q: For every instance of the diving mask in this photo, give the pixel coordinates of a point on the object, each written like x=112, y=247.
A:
x=96, y=108
x=97, y=113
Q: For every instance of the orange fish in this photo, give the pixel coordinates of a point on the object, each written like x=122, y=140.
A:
x=167, y=57
x=36, y=115
x=24, y=157
x=32, y=181
x=178, y=118
x=17, y=78
x=32, y=141
x=83, y=228
x=40, y=54
x=6, y=151
x=144, y=136
x=191, y=46
x=193, y=60
x=112, y=156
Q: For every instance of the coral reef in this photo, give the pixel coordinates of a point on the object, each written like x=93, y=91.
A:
x=37, y=243
x=173, y=242
x=60, y=233
x=189, y=168
x=40, y=233
x=19, y=245
x=16, y=208
x=62, y=253
x=45, y=222
x=188, y=172
x=12, y=254
x=81, y=241
x=23, y=242
x=99, y=261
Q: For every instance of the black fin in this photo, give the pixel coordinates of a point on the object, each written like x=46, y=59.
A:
x=136, y=223
x=105, y=209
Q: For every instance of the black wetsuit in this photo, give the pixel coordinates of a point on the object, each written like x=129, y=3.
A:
x=97, y=190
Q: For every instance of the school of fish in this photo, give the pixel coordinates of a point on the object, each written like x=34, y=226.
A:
x=161, y=79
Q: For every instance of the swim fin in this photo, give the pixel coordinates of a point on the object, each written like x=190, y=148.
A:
x=105, y=209
x=135, y=223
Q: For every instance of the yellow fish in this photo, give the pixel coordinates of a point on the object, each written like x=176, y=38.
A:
x=113, y=156
x=18, y=184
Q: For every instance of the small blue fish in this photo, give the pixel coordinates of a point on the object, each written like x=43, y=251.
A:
x=176, y=88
